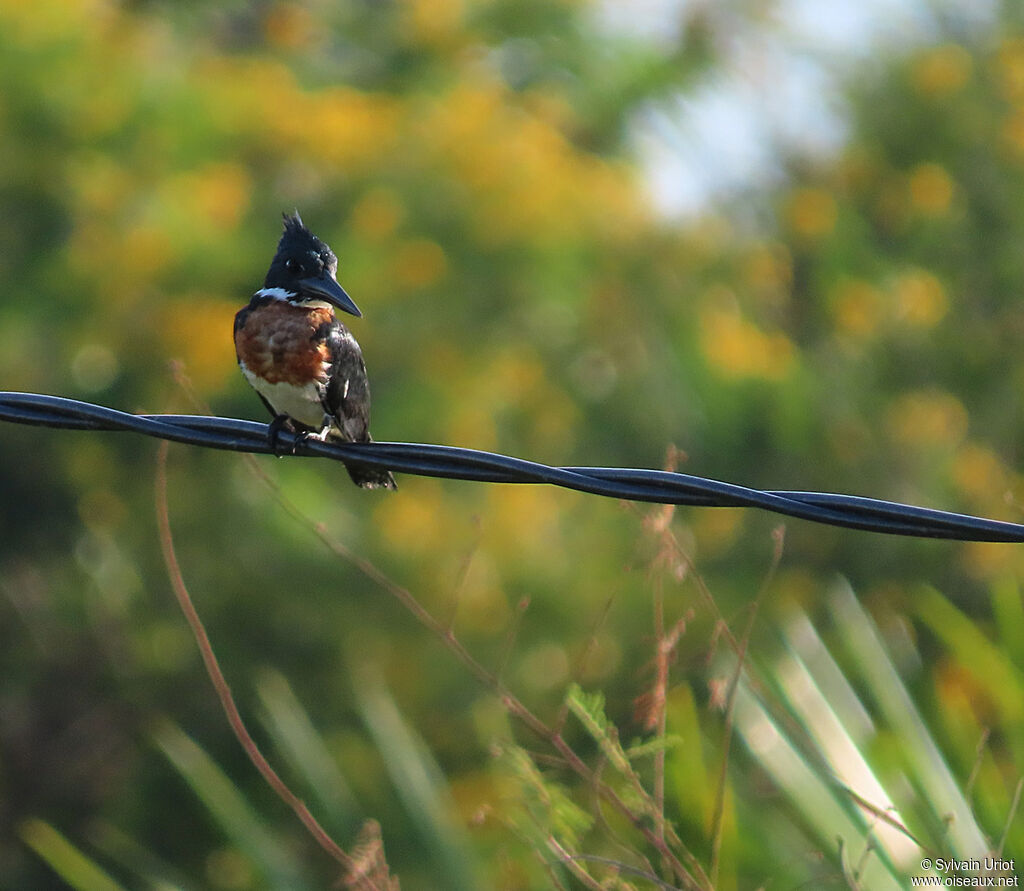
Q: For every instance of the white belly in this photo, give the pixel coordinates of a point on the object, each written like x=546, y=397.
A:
x=301, y=403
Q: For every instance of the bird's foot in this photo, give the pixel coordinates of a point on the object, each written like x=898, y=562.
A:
x=321, y=434
x=280, y=422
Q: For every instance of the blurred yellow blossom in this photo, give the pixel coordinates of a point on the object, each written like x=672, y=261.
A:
x=96, y=184
x=523, y=523
x=510, y=384
x=986, y=559
x=554, y=419
x=980, y=474
x=431, y=22
x=920, y=298
x=246, y=95
x=715, y=531
x=812, y=212
x=48, y=22
x=419, y=263
x=290, y=26
x=768, y=269
x=353, y=129
x=964, y=699
x=736, y=348
x=198, y=331
x=211, y=197
x=119, y=261
x=377, y=213
x=527, y=180
x=857, y=307
x=144, y=250
x=482, y=605
x=471, y=426
x=1010, y=68
x=942, y=70
x=262, y=99
x=931, y=189
x=927, y=418
x=1013, y=132
x=514, y=374
x=412, y=524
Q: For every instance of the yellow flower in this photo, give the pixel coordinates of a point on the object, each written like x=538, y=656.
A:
x=419, y=263
x=290, y=26
x=215, y=195
x=48, y=22
x=1013, y=132
x=927, y=418
x=980, y=474
x=931, y=189
x=1011, y=68
x=812, y=212
x=198, y=331
x=737, y=348
x=857, y=307
x=942, y=70
x=410, y=524
x=920, y=299
x=432, y=22
x=377, y=214
x=768, y=269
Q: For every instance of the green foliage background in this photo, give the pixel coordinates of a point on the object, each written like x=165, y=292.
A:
x=855, y=328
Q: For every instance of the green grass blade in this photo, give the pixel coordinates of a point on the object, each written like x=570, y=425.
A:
x=418, y=780
x=815, y=796
x=844, y=751
x=987, y=662
x=135, y=859
x=65, y=859
x=236, y=817
x=305, y=751
x=896, y=705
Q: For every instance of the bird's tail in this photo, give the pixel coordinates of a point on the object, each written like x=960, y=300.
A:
x=367, y=477
x=370, y=477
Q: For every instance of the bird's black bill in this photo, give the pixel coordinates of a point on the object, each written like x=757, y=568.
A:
x=325, y=287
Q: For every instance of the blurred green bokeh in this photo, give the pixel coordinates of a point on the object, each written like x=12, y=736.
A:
x=852, y=326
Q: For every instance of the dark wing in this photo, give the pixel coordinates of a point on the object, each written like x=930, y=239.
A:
x=347, y=399
x=240, y=319
x=347, y=396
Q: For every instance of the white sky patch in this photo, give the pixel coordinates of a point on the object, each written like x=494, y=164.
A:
x=656, y=21
x=775, y=91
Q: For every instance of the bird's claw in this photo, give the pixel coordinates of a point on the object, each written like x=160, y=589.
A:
x=274, y=437
x=283, y=422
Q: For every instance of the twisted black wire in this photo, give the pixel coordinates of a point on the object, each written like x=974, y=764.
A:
x=657, y=486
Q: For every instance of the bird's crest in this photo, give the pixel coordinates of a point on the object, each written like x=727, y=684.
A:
x=293, y=222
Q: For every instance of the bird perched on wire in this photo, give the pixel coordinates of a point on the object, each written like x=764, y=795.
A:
x=305, y=364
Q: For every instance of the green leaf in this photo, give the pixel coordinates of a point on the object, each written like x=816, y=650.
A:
x=547, y=803
x=589, y=710
x=653, y=746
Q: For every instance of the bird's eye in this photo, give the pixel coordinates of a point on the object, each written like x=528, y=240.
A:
x=293, y=266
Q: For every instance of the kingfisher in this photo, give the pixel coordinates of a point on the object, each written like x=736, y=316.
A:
x=304, y=364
